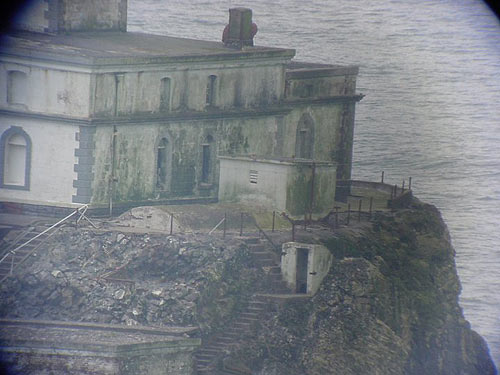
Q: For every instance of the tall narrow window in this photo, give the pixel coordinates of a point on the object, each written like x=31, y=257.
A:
x=206, y=160
x=304, y=142
x=205, y=169
x=162, y=166
x=210, y=98
x=17, y=87
x=165, y=95
x=15, y=155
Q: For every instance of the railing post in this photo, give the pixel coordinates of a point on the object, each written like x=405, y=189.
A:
x=171, y=223
x=403, y=187
x=305, y=220
x=382, y=179
x=241, y=224
x=409, y=183
x=274, y=217
x=348, y=213
x=224, y=228
x=359, y=210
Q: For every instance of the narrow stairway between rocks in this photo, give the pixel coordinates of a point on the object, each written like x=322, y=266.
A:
x=222, y=343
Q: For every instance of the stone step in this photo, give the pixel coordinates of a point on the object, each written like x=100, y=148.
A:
x=252, y=314
x=262, y=255
x=207, y=350
x=265, y=262
x=251, y=240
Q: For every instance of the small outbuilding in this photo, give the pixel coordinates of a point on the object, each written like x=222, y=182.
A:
x=295, y=186
x=304, y=266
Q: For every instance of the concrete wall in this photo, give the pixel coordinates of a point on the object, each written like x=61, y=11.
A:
x=135, y=157
x=299, y=184
x=254, y=182
x=136, y=92
x=57, y=348
x=319, y=262
x=52, y=160
x=278, y=184
x=319, y=86
x=47, y=90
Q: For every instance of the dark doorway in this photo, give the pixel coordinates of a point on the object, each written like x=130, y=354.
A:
x=302, y=265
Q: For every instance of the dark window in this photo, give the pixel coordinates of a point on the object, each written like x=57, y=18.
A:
x=210, y=97
x=165, y=95
x=304, y=143
x=205, y=167
x=162, y=169
x=15, y=159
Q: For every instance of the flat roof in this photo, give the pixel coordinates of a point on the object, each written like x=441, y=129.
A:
x=124, y=47
x=94, y=337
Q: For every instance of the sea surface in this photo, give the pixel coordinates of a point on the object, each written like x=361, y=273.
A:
x=430, y=70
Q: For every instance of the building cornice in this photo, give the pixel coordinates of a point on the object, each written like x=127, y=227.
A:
x=212, y=114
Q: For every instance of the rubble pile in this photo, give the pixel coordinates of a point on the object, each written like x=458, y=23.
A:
x=124, y=278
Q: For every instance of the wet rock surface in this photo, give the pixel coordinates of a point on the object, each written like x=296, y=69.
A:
x=389, y=305
x=126, y=278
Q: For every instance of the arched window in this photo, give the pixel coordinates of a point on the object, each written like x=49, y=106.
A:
x=165, y=89
x=17, y=87
x=163, y=165
x=304, y=142
x=15, y=159
x=206, y=159
x=210, y=97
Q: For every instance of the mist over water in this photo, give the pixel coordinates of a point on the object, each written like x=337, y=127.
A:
x=430, y=71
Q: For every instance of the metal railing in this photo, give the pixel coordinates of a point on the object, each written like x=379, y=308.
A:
x=81, y=210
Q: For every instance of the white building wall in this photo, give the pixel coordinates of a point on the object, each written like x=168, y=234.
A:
x=235, y=86
x=267, y=189
x=52, y=161
x=49, y=90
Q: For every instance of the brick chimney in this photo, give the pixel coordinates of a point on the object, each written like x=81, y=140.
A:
x=240, y=30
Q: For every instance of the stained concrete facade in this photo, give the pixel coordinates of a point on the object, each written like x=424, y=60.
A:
x=57, y=348
x=296, y=186
x=145, y=116
x=304, y=266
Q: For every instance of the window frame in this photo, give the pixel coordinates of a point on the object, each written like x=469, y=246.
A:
x=4, y=139
x=21, y=77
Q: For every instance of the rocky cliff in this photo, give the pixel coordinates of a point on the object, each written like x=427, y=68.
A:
x=389, y=304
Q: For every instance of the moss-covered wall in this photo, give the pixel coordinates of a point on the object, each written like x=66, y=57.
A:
x=241, y=86
x=262, y=131
x=299, y=184
x=135, y=156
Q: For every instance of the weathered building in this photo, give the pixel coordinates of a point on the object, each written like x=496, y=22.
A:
x=50, y=347
x=90, y=113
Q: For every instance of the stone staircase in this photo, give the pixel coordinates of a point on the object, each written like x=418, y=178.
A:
x=19, y=248
x=206, y=357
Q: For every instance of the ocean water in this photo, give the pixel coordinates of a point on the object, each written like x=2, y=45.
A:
x=430, y=70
